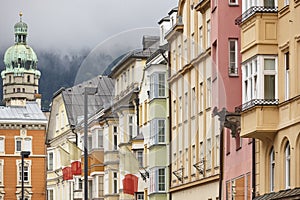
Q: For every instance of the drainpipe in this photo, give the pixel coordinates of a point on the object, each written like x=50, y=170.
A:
x=221, y=162
x=137, y=103
x=170, y=128
x=253, y=169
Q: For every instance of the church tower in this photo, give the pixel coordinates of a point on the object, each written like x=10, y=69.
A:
x=20, y=76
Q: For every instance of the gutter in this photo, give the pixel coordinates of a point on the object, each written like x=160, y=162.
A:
x=253, y=169
x=221, y=162
x=170, y=129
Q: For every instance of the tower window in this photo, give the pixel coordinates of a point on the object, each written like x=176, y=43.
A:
x=23, y=90
x=28, y=78
x=18, y=90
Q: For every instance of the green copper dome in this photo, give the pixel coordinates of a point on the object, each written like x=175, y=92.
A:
x=20, y=57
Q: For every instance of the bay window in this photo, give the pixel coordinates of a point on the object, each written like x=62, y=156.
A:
x=260, y=79
x=157, y=85
x=157, y=180
x=157, y=131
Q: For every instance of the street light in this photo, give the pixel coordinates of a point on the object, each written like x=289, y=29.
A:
x=24, y=154
x=87, y=91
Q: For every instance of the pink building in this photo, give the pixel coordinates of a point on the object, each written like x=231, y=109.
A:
x=236, y=176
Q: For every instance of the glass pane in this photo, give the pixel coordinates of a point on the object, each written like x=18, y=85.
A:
x=269, y=86
x=269, y=64
x=269, y=3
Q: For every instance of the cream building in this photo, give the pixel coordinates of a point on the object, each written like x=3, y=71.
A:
x=194, y=133
x=270, y=113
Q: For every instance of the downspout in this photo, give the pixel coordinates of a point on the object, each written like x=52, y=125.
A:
x=221, y=163
x=170, y=128
x=137, y=103
x=253, y=169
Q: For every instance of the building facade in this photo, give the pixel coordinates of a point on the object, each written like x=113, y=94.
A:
x=22, y=123
x=270, y=50
x=195, y=135
x=236, y=167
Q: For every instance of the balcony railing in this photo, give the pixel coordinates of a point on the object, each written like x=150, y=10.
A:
x=255, y=9
x=256, y=102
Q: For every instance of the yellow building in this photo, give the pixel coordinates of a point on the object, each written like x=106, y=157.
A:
x=270, y=112
x=194, y=132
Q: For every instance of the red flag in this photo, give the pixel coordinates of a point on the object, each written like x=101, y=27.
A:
x=67, y=173
x=76, y=168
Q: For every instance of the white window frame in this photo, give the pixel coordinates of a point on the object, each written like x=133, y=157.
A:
x=233, y=2
x=208, y=92
x=48, y=194
x=208, y=153
x=233, y=66
x=27, y=163
x=115, y=183
x=208, y=32
x=48, y=161
x=1, y=172
x=23, y=143
x=287, y=75
x=287, y=168
x=130, y=127
x=286, y=2
x=57, y=122
x=62, y=120
x=200, y=48
x=2, y=144
x=155, y=130
x=155, y=181
x=140, y=157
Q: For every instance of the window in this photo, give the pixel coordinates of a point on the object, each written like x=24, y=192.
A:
x=200, y=40
x=100, y=138
x=62, y=120
x=23, y=90
x=57, y=122
x=238, y=142
x=260, y=78
x=115, y=182
x=193, y=46
x=157, y=85
x=50, y=194
x=269, y=78
x=272, y=170
x=161, y=180
x=157, y=131
x=139, y=196
x=130, y=126
x=194, y=108
x=287, y=75
x=287, y=166
x=185, y=52
x=26, y=173
x=28, y=78
x=208, y=153
x=77, y=183
x=233, y=57
x=139, y=155
x=286, y=2
x=201, y=97
x=208, y=34
x=115, y=137
x=269, y=3
x=2, y=144
x=23, y=144
x=179, y=57
x=186, y=106
x=208, y=93
x=90, y=142
x=180, y=110
x=100, y=186
x=217, y=153
x=50, y=161
x=233, y=2
x=1, y=172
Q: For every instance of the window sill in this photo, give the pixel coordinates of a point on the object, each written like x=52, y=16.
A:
x=233, y=75
x=233, y=5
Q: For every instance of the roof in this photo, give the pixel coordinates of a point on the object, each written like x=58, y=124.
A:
x=74, y=99
x=30, y=112
x=283, y=194
x=167, y=18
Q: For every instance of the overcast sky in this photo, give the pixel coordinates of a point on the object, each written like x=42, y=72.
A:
x=77, y=24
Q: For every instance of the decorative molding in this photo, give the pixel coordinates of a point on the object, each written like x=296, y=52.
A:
x=285, y=46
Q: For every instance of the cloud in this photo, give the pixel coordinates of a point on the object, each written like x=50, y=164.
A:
x=73, y=24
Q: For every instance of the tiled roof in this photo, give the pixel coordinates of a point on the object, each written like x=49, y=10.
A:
x=291, y=194
x=74, y=99
x=30, y=112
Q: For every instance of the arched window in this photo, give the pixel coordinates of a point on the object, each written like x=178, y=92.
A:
x=272, y=170
x=287, y=166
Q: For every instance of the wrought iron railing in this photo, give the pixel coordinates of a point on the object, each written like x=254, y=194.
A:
x=255, y=9
x=256, y=102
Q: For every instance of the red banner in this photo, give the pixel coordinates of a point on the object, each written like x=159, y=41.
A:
x=76, y=168
x=130, y=184
x=67, y=173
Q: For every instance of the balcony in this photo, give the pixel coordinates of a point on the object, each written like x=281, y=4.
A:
x=259, y=118
x=258, y=31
